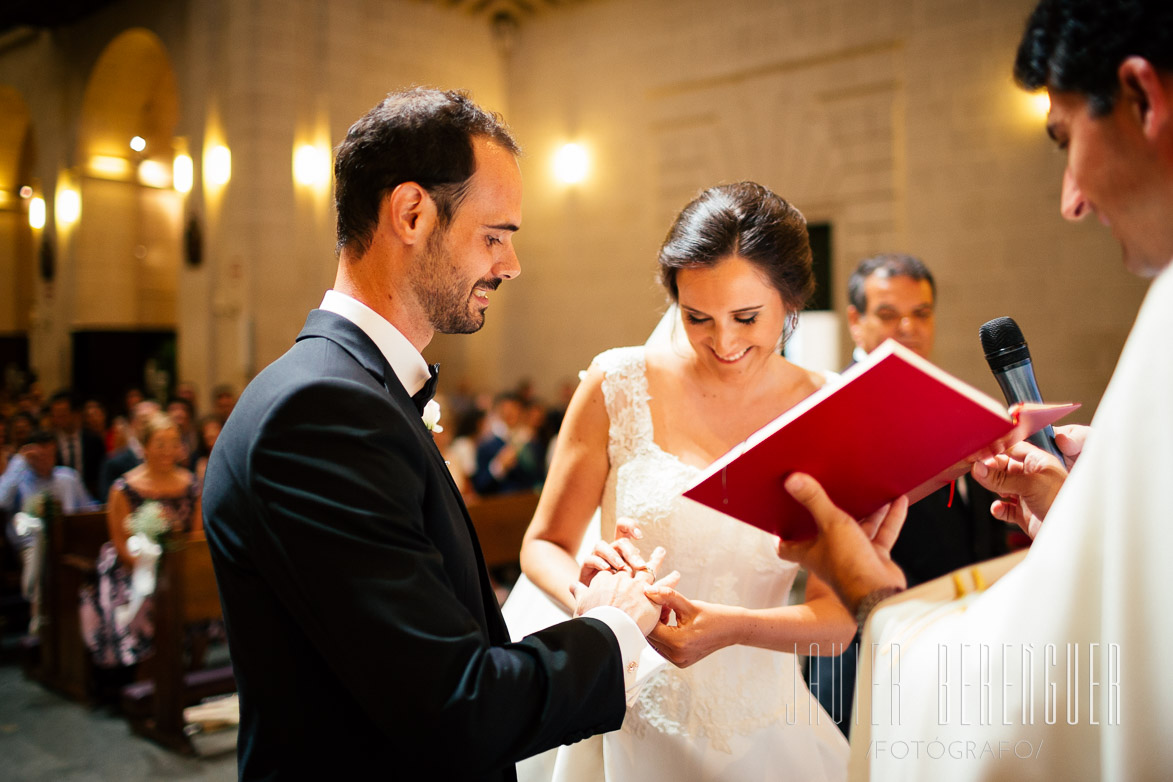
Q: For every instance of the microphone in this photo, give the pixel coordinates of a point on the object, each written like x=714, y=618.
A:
x=1009, y=360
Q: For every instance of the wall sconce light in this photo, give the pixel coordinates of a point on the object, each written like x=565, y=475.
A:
x=218, y=165
x=68, y=205
x=152, y=173
x=182, y=173
x=37, y=213
x=311, y=166
x=110, y=166
x=571, y=164
x=138, y=143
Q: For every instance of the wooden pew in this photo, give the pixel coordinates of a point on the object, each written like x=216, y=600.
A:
x=185, y=594
x=71, y=554
x=500, y=522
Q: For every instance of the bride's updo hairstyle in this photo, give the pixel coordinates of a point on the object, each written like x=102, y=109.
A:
x=747, y=220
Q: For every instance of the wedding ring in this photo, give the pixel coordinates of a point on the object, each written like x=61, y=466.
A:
x=650, y=571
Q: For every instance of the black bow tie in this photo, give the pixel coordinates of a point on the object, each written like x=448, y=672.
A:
x=425, y=394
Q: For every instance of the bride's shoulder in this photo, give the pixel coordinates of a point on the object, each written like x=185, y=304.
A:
x=619, y=359
x=824, y=378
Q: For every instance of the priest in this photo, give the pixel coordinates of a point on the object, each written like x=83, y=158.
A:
x=1053, y=667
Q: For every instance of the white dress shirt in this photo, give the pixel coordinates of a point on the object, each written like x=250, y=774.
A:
x=412, y=371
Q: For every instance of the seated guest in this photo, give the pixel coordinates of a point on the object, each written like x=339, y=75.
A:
x=77, y=448
x=131, y=455
x=6, y=449
x=116, y=616
x=186, y=391
x=223, y=400
x=29, y=479
x=470, y=428
x=507, y=458
x=20, y=428
x=131, y=399
x=33, y=470
x=209, y=430
x=182, y=412
x=94, y=421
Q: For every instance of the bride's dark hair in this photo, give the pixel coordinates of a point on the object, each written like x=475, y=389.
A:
x=747, y=220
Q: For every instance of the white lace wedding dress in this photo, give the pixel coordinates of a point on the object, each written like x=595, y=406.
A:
x=740, y=714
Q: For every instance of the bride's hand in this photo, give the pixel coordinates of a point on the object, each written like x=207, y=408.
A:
x=620, y=554
x=697, y=632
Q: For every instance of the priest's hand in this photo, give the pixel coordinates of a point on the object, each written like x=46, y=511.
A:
x=1070, y=440
x=1027, y=479
x=626, y=591
x=853, y=558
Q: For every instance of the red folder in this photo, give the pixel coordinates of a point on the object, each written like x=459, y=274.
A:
x=895, y=424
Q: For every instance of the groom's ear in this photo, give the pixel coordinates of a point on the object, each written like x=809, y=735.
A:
x=409, y=213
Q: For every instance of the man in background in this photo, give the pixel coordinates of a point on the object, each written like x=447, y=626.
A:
x=509, y=458
x=77, y=448
x=32, y=491
x=893, y=296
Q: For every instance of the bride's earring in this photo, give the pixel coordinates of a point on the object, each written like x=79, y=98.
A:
x=787, y=331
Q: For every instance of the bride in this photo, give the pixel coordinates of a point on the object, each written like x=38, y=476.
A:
x=642, y=425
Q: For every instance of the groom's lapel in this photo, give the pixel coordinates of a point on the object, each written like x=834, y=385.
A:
x=352, y=339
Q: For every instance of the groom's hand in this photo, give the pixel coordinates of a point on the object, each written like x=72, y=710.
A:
x=626, y=591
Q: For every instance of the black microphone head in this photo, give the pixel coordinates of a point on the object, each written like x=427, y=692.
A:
x=1003, y=343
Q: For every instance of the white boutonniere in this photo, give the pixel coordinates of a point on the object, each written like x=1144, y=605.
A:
x=432, y=416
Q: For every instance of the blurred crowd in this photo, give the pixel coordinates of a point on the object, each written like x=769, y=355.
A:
x=99, y=444
x=497, y=444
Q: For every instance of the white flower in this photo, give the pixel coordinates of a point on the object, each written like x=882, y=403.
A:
x=26, y=524
x=432, y=416
x=150, y=521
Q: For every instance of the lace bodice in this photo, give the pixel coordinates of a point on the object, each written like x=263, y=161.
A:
x=737, y=690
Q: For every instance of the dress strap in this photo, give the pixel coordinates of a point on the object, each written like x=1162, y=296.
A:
x=625, y=394
x=124, y=486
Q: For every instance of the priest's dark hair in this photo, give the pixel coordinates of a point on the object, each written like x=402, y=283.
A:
x=747, y=220
x=419, y=135
x=1078, y=45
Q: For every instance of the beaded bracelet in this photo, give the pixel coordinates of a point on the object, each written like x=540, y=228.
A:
x=871, y=600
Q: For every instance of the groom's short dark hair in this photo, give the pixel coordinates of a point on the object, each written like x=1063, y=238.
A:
x=419, y=135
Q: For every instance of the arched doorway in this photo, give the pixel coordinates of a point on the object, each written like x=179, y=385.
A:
x=127, y=245
x=17, y=243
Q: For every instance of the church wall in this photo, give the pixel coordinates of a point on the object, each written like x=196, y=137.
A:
x=898, y=122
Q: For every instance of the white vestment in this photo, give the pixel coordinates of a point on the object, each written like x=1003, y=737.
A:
x=1060, y=669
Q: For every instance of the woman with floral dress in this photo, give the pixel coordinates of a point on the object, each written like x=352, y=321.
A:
x=157, y=496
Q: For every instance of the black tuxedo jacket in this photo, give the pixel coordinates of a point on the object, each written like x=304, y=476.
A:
x=93, y=460
x=366, y=639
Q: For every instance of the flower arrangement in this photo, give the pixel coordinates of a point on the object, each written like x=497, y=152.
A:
x=42, y=505
x=149, y=528
x=150, y=520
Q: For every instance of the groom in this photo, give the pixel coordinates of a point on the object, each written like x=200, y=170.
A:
x=364, y=634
